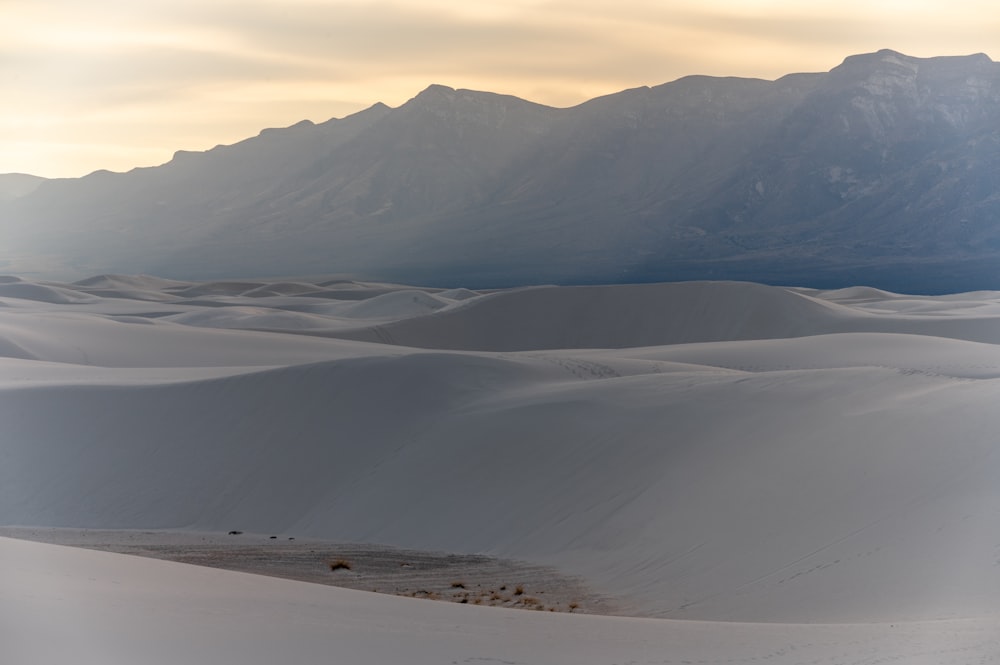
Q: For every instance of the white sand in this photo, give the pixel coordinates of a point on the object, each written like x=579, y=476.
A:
x=713, y=451
x=65, y=605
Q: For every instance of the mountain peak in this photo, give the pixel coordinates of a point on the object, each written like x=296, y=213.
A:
x=876, y=60
x=437, y=88
x=883, y=57
x=441, y=99
x=460, y=104
x=435, y=92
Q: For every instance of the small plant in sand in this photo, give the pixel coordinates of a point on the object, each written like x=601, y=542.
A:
x=340, y=564
x=458, y=585
x=519, y=590
x=573, y=605
x=423, y=593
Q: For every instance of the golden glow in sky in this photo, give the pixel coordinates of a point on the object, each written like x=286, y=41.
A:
x=116, y=84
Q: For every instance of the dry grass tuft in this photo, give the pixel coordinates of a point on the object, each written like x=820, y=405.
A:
x=340, y=564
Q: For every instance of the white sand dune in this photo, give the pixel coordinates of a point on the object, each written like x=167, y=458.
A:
x=697, y=494
x=63, y=605
x=137, y=282
x=306, y=314
x=397, y=305
x=83, y=338
x=44, y=293
x=281, y=289
x=656, y=314
x=254, y=318
x=613, y=317
x=222, y=288
x=842, y=472
x=907, y=353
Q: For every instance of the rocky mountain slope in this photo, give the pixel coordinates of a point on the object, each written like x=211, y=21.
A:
x=885, y=170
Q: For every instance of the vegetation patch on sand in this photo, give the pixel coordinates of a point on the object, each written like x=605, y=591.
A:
x=459, y=578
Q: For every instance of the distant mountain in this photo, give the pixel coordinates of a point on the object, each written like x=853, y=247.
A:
x=16, y=185
x=885, y=170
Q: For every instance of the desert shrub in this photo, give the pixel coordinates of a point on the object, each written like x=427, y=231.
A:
x=340, y=564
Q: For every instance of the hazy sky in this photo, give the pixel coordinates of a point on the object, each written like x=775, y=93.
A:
x=120, y=83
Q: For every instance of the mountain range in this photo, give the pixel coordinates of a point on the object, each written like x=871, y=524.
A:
x=884, y=171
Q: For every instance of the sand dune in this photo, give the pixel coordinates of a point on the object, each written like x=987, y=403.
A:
x=657, y=314
x=699, y=494
x=138, y=282
x=709, y=451
x=907, y=353
x=83, y=338
x=65, y=605
x=613, y=317
x=49, y=294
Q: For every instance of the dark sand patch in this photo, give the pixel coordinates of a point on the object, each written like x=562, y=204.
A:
x=460, y=578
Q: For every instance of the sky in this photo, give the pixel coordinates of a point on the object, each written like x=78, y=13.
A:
x=116, y=84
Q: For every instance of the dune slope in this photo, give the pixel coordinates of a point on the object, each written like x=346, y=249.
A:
x=839, y=476
x=108, y=608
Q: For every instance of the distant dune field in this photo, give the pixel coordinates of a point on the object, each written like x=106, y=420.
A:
x=797, y=475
